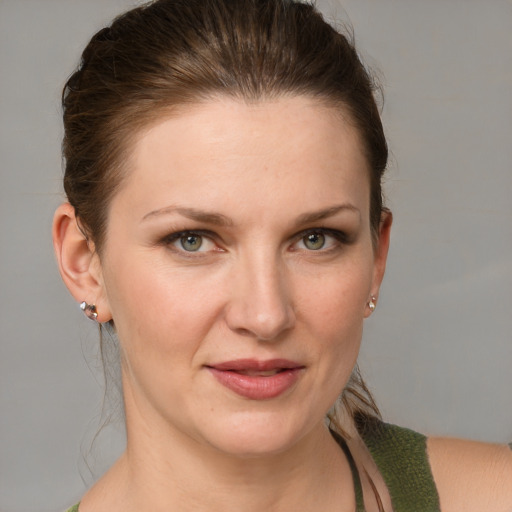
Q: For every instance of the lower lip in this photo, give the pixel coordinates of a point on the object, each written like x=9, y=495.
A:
x=257, y=387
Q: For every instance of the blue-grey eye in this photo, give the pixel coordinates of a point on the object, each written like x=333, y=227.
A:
x=191, y=243
x=314, y=241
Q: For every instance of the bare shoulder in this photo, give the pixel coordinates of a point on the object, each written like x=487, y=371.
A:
x=471, y=475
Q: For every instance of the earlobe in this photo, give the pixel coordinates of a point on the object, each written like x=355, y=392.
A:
x=78, y=262
x=381, y=254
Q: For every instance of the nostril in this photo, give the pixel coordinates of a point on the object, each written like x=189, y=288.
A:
x=243, y=332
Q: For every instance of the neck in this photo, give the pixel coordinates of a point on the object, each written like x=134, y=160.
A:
x=165, y=469
x=181, y=474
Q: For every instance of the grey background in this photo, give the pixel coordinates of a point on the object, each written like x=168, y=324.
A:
x=438, y=350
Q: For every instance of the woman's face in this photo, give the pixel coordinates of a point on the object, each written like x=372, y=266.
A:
x=237, y=268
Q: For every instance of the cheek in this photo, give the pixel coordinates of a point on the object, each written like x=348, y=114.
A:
x=156, y=308
x=335, y=301
x=333, y=310
x=162, y=320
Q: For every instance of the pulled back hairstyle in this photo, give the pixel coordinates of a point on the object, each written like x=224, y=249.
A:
x=169, y=53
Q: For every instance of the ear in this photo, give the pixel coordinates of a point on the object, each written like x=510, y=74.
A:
x=79, y=263
x=381, y=254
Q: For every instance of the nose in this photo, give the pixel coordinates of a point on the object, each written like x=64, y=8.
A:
x=260, y=304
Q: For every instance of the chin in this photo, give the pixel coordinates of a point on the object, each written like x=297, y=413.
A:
x=250, y=435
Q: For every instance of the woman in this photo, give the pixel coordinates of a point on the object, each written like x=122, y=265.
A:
x=223, y=170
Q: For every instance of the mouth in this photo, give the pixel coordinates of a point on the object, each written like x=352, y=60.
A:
x=257, y=380
x=256, y=373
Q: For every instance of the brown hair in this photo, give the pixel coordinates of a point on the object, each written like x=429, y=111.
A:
x=170, y=53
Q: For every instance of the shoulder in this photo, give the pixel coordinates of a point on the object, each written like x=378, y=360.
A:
x=444, y=474
x=470, y=475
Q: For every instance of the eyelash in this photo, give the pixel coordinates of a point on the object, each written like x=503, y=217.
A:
x=173, y=237
x=341, y=238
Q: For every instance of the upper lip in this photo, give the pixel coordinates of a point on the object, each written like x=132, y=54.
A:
x=256, y=365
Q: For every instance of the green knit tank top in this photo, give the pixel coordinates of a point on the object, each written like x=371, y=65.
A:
x=401, y=457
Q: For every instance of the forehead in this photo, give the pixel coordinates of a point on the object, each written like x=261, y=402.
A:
x=289, y=148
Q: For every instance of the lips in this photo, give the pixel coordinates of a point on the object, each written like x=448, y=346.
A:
x=257, y=380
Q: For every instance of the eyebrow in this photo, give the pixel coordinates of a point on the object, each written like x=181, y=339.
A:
x=219, y=219
x=308, y=218
x=207, y=217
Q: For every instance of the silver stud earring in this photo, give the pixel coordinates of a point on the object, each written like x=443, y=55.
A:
x=372, y=303
x=89, y=310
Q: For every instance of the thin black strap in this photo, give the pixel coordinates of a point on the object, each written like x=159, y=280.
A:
x=353, y=468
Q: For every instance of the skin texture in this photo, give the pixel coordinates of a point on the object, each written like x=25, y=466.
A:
x=470, y=475
x=253, y=290
x=247, y=180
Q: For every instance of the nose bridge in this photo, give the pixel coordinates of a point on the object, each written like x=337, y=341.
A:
x=261, y=304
